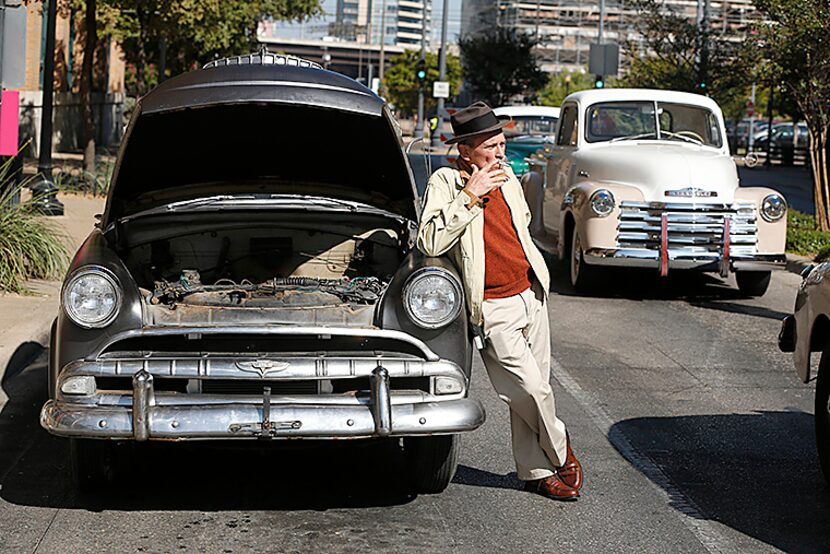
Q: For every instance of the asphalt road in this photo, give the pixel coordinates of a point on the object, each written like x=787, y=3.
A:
x=695, y=433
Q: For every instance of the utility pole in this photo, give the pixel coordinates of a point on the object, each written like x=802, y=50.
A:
x=601, y=21
x=442, y=62
x=419, y=124
x=44, y=189
x=382, y=40
x=703, y=44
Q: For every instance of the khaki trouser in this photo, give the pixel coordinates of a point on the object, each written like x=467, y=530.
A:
x=517, y=358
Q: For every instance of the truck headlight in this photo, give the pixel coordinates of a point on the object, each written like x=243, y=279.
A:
x=92, y=297
x=432, y=297
x=773, y=208
x=602, y=202
x=81, y=385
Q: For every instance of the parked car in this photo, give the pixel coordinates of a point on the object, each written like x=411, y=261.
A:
x=254, y=276
x=785, y=146
x=738, y=137
x=529, y=134
x=808, y=331
x=643, y=178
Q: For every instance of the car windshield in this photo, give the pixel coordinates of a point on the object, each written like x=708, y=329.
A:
x=615, y=121
x=530, y=125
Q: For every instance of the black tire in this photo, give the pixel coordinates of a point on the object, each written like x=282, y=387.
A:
x=753, y=283
x=431, y=462
x=822, y=414
x=583, y=277
x=92, y=464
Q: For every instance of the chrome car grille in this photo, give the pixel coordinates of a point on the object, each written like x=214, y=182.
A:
x=691, y=227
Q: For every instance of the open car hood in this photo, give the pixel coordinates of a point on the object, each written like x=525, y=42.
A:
x=228, y=131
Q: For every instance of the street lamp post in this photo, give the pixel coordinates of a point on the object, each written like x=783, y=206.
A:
x=442, y=63
x=44, y=189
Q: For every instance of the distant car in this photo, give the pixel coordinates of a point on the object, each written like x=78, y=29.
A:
x=808, y=331
x=739, y=136
x=785, y=146
x=529, y=134
x=243, y=285
x=644, y=178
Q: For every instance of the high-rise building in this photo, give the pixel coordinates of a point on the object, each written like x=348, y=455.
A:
x=566, y=28
x=403, y=24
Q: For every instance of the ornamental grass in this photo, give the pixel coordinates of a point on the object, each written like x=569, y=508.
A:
x=30, y=246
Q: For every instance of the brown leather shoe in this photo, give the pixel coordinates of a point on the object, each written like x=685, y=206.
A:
x=571, y=472
x=552, y=487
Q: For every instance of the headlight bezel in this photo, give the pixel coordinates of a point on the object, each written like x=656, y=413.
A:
x=424, y=273
x=768, y=218
x=608, y=195
x=111, y=279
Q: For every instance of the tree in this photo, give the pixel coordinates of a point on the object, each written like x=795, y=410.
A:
x=794, y=41
x=501, y=65
x=402, y=84
x=680, y=55
x=560, y=85
x=189, y=33
x=90, y=42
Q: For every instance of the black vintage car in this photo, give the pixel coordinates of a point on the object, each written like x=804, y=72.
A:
x=254, y=276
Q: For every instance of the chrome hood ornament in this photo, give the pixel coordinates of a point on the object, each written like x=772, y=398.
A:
x=262, y=367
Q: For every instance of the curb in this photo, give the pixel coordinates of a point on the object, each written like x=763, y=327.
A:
x=796, y=264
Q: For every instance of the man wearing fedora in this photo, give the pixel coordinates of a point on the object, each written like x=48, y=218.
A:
x=477, y=213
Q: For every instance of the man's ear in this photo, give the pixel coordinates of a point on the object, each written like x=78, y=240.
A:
x=464, y=151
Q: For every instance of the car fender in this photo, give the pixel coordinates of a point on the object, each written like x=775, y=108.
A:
x=594, y=231
x=451, y=342
x=772, y=236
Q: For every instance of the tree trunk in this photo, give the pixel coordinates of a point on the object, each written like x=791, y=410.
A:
x=86, y=87
x=141, y=66
x=818, y=157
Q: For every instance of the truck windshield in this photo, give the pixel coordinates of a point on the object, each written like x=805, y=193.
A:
x=615, y=121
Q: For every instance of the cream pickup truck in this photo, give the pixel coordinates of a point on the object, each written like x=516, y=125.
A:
x=644, y=178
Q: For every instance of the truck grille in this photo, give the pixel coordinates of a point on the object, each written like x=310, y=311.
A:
x=690, y=227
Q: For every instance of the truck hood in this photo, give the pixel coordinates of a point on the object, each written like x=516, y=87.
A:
x=663, y=172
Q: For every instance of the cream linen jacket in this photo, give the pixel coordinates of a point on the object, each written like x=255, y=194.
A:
x=447, y=226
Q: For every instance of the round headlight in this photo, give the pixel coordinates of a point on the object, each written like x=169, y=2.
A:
x=92, y=298
x=773, y=208
x=602, y=202
x=432, y=298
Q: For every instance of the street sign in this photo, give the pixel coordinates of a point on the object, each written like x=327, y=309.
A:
x=12, y=45
x=604, y=59
x=441, y=89
x=750, y=108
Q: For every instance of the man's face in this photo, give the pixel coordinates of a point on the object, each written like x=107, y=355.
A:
x=482, y=150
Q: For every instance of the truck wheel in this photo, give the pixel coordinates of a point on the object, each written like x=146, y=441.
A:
x=92, y=463
x=753, y=283
x=583, y=276
x=823, y=414
x=431, y=462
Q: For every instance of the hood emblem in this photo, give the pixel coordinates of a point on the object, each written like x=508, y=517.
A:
x=690, y=192
x=262, y=367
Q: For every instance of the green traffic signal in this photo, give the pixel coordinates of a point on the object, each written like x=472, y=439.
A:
x=599, y=82
x=422, y=74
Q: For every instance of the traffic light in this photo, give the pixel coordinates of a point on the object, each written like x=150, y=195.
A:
x=421, y=72
x=599, y=81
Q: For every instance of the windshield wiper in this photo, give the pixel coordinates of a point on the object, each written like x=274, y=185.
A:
x=682, y=137
x=633, y=137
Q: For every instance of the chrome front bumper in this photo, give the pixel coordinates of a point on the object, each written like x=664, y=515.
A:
x=147, y=415
x=683, y=259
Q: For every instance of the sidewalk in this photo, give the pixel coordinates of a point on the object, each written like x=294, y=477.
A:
x=25, y=320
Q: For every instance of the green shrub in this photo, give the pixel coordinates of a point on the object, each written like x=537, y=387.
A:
x=30, y=246
x=803, y=237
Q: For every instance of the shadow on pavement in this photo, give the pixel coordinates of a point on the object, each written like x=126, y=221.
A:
x=643, y=284
x=756, y=473
x=467, y=475
x=191, y=476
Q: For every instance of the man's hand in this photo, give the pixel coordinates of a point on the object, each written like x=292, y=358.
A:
x=489, y=177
